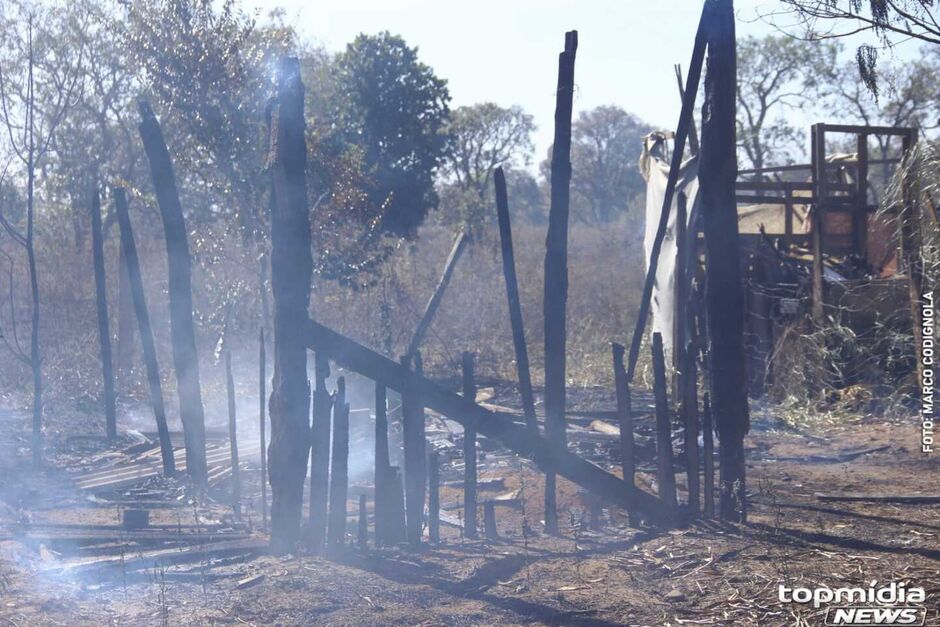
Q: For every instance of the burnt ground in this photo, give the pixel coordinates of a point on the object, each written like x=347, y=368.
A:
x=706, y=574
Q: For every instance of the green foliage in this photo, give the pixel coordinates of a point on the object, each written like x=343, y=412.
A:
x=395, y=109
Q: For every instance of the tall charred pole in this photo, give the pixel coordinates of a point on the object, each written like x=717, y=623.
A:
x=182, y=334
x=724, y=297
x=291, y=273
x=101, y=298
x=556, y=267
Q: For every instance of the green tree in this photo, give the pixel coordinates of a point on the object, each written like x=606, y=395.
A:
x=393, y=107
x=777, y=75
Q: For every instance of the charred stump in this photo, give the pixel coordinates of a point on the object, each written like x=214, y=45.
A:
x=185, y=358
x=291, y=273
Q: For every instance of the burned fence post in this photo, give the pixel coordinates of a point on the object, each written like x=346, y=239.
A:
x=624, y=415
x=415, y=457
x=146, y=331
x=469, y=452
x=291, y=274
x=362, y=537
x=261, y=429
x=434, y=499
x=682, y=132
x=489, y=521
x=665, y=475
x=101, y=301
x=723, y=292
x=319, y=452
x=512, y=297
x=435, y=301
x=708, y=451
x=556, y=267
x=183, y=336
x=339, y=471
x=233, y=436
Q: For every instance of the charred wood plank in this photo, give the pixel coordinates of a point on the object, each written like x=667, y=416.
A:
x=182, y=333
x=146, y=330
x=512, y=298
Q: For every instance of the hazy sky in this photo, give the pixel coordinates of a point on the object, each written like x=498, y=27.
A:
x=506, y=51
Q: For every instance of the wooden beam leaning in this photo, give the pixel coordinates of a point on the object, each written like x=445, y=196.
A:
x=682, y=132
x=148, y=349
x=101, y=301
x=435, y=301
x=497, y=425
x=512, y=298
x=555, y=299
x=182, y=332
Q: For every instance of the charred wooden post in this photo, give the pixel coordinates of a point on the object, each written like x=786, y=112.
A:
x=493, y=424
x=319, y=452
x=512, y=297
x=146, y=331
x=682, y=133
x=665, y=475
x=395, y=529
x=624, y=415
x=382, y=505
x=233, y=436
x=681, y=303
x=435, y=301
x=693, y=135
x=362, y=537
x=489, y=521
x=469, y=452
x=261, y=429
x=723, y=293
x=556, y=267
x=291, y=273
x=434, y=499
x=690, y=422
x=415, y=457
x=101, y=301
x=708, y=450
x=183, y=336
x=817, y=293
x=910, y=250
x=339, y=471
x=125, y=330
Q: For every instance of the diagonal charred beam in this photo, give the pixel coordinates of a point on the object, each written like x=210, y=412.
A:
x=497, y=425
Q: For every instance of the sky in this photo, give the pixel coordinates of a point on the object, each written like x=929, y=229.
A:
x=506, y=51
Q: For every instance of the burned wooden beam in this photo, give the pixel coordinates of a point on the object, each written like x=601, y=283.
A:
x=262, y=398
x=708, y=451
x=339, y=470
x=382, y=506
x=412, y=409
x=435, y=301
x=512, y=298
x=624, y=416
x=723, y=292
x=497, y=425
x=556, y=267
x=682, y=132
x=101, y=302
x=182, y=333
x=233, y=436
x=291, y=274
x=319, y=453
x=146, y=330
x=469, y=452
x=434, y=498
x=689, y=414
x=665, y=475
